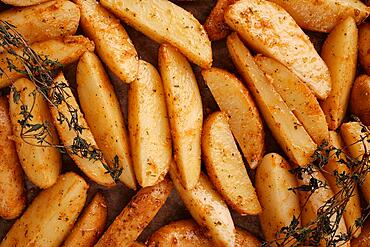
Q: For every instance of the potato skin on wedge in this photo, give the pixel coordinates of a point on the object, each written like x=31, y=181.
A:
x=364, y=46
x=360, y=98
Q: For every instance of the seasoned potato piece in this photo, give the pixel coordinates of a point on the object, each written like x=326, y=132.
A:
x=225, y=165
x=41, y=162
x=364, y=46
x=285, y=127
x=360, y=98
x=149, y=128
x=165, y=22
x=51, y=214
x=269, y=29
x=185, y=110
x=23, y=2
x=12, y=193
x=364, y=238
x=245, y=121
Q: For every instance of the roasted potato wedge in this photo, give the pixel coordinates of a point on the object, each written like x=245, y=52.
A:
x=364, y=238
x=360, y=98
x=185, y=111
x=12, y=192
x=113, y=44
x=104, y=118
x=225, y=166
x=285, y=127
x=93, y=169
x=245, y=121
x=41, y=162
x=269, y=29
x=149, y=129
x=364, y=46
x=136, y=215
x=51, y=214
x=165, y=22
x=297, y=96
x=23, y=2
x=65, y=51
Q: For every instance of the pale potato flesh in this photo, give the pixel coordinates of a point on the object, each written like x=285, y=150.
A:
x=364, y=46
x=165, y=22
x=285, y=127
x=225, y=166
x=185, y=111
x=270, y=30
x=103, y=115
x=23, y=2
x=150, y=136
x=245, y=121
x=51, y=214
x=360, y=98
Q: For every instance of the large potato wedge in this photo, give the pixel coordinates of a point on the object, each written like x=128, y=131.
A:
x=165, y=22
x=104, y=117
x=323, y=16
x=364, y=46
x=297, y=96
x=90, y=225
x=136, y=215
x=273, y=181
x=49, y=20
x=23, y=2
x=65, y=51
x=269, y=29
x=112, y=43
x=149, y=129
x=51, y=214
x=40, y=161
x=93, y=169
x=360, y=98
x=340, y=54
x=245, y=121
x=225, y=165
x=185, y=111
x=285, y=127
x=12, y=192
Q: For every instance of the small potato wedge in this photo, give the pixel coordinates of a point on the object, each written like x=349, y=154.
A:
x=165, y=22
x=93, y=169
x=104, y=117
x=41, y=162
x=340, y=54
x=245, y=121
x=65, y=51
x=364, y=46
x=270, y=30
x=360, y=98
x=136, y=215
x=90, y=225
x=112, y=43
x=149, y=129
x=297, y=96
x=49, y=20
x=51, y=214
x=12, y=192
x=185, y=111
x=273, y=181
x=285, y=127
x=23, y=2
x=225, y=166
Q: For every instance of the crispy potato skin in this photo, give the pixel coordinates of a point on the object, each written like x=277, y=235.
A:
x=104, y=117
x=364, y=46
x=90, y=225
x=51, y=214
x=42, y=165
x=149, y=129
x=23, y=3
x=12, y=193
x=360, y=98
x=49, y=20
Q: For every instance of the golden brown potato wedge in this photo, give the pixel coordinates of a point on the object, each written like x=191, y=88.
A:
x=104, y=117
x=185, y=111
x=93, y=169
x=136, y=215
x=65, y=51
x=245, y=121
x=360, y=98
x=297, y=96
x=12, y=193
x=51, y=214
x=149, y=129
x=364, y=46
x=23, y=2
x=165, y=22
x=285, y=127
x=364, y=238
x=269, y=29
x=41, y=161
x=113, y=44
x=90, y=225
x=225, y=166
